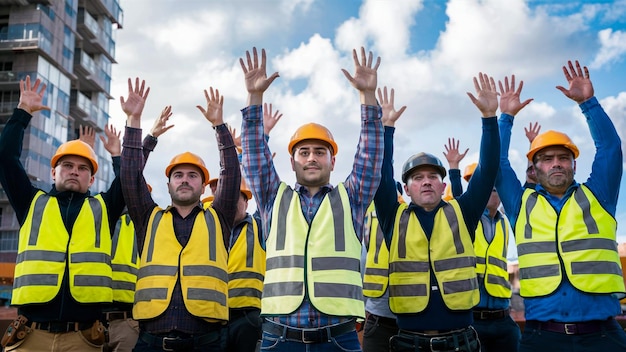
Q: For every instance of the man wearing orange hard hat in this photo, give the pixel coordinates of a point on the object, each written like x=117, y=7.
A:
x=181, y=297
x=570, y=271
x=63, y=273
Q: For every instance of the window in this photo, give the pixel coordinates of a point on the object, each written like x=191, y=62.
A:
x=8, y=241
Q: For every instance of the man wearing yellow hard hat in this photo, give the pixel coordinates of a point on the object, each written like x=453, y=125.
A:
x=182, y=288
x=312, y=292
x=571, y=277
x=63, y=273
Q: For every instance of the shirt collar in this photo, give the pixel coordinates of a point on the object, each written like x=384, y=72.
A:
x=303, y=190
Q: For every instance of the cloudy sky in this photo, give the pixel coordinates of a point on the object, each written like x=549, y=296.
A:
x=430, y=52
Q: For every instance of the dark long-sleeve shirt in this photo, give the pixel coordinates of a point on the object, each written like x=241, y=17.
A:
x=21, y=192
x=437, y=316
x=141, y=205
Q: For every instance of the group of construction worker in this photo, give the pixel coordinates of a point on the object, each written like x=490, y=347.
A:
x=117, y=272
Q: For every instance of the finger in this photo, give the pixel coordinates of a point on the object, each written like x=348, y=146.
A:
x=255, y=57
x=380, y=95
x=272, y=77
x=363, y=59
x=250, y=67
x=22, y=86
x=201, y=109
x=370, y=59
x=136, y=84
x=472, y=98
x=143, y=85
x=579, y=71
x=586, y=72
x=243, y=66
x=206, y=96
x=145, y=96
x=391, y=97
x=519, y=89
x=568, y=77
x=571, y=68
x=28, y=82
x=466, y=150
x=36, y=86
x=512, y=81
x=476, y=85
x=348, y=76
x=377, y=63
x=501, y=88
x=401, y=110
x=385, y=94
x=263, y=59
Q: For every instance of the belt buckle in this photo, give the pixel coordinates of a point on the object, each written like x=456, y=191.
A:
x=437, y=339
x=312, y=333
x=570, y=329
x=484, y=314
x=165, y=339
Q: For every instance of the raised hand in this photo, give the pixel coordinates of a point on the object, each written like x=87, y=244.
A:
x=532, y=131
x=487, y=101
x=270, y=119
x=580, y=87
x=390, y=115
x=159, y=126
x=256, y=78
x=133, y=105
x=236, y=137
x=365, y=77
x=31, y=97
x=452, y=153
x=214, y=103
x=88, y=135
x=112, y=143
x=510, y=97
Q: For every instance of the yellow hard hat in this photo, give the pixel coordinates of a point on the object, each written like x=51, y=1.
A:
x=447, y=194
x=469, y=171
x=549, y=139
x=188, y=158
x=78, y=148
x=313, y=131
x=245, y=190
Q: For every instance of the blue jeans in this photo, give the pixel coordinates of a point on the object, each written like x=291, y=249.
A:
x=346, y=342
x=610, y=338
x=498, y=334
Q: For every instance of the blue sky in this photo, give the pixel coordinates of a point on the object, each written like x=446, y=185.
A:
x=430, y=52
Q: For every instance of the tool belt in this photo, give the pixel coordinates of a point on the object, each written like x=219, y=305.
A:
x=16, y=331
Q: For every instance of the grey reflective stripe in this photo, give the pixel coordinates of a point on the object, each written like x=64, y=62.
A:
x=536, y=248
x=210, y=223
x=283, y=209
x=409, y=266
x=48, y=256
x=335, y=263
x=205, y=270
x=293, y=261
x=504, y=235
x=453, y=222
x=459, y=286
x=92, y=281
x=454, y=263
x=498, y=262
x=154, y=270
x=245, y=275
x=585, y=206
x=40, y=205
x=402, y=229
x=153, y=230
x=121, y=268
x=123, y=285
x=590, y=243
x=244, y=292
x=379, y=242
x=372, y=286
x=596, y=267
x=497, y=280
x=250, y=244
x=407, y=290
x=481, y=260
x=337, y=290
x=530, y=205
x=96, y=209
x=338, y=219
x=204, y=294
x=376, y=272
x=36, y=280
x=88, y=257
x=148, y=294
x=283, y=289
x=539, y=271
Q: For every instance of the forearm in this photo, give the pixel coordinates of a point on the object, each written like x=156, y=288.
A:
x=148, y=145
x=507, y=184
x=385, y=199
x=455, y=182
x=227, y=193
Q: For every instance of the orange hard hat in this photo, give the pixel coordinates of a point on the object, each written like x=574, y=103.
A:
x=549, y=139
x=447, y=193
x=212, y=181
x=78, y=148
x=245, y=190
x=313, y=131
x=149, y=187
x=207, y=199
x=191, y=159
x=469, y=171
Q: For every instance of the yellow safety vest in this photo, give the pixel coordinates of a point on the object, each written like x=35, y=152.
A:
x=450, y=253
x=45, y=248
x=201, y=265
x=491, y=263
x=376, y=276
x=124, y=260
x=246, y=268
x=322, y=258
x=581, y=237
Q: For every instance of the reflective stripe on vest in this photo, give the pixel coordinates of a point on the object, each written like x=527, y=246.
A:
x=582, y=237
x=449, y=252
x=491, y=263
x=376, y=276
x=124, y=260
x=328, y=251
x=44, y=248
x=246, y=268
x=201, y=265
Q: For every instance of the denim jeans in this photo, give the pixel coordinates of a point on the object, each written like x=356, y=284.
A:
x=346, y=342
x=610, y=338
x=497, y=335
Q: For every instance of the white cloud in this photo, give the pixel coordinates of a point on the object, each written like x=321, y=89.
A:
x=613, y=47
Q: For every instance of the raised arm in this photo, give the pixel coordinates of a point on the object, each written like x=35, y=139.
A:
x=365, y=76
x=454, y=157
x=88, y=135
x=256, y=78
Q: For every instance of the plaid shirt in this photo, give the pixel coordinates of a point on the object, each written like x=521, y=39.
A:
x=361, y=185
x=141, y=205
